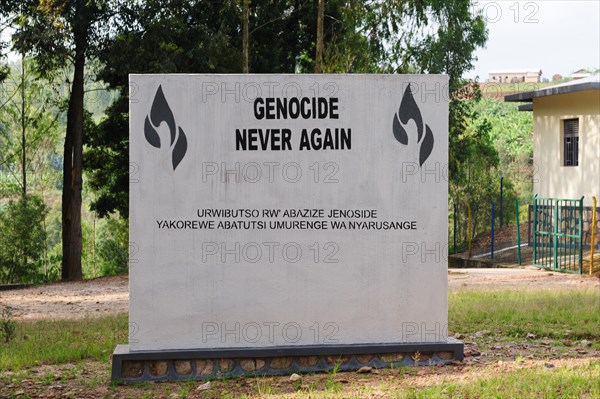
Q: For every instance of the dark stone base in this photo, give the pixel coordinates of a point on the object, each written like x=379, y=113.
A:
x=201, y=364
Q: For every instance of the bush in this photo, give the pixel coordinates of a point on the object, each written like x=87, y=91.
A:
x=22, y=238
x=113, y=248
x=7, y=324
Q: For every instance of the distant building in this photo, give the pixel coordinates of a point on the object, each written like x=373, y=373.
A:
x=566, y=137
x=516, y=76
x=556, y=77
x=580, y=74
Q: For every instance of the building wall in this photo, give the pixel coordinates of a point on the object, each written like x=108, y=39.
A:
x=551, y=178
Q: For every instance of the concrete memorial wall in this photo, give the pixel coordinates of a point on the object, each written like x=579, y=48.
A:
x=271, y=211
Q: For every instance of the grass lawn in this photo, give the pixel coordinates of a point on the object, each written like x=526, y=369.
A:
x=557, y=314
x=525, y=344
x=56, y=342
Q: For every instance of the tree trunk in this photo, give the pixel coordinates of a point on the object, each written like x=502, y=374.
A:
x=319, y=57
x=245, y=34
x=72, y=179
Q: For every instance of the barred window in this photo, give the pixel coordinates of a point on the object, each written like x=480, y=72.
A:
x=571, y=142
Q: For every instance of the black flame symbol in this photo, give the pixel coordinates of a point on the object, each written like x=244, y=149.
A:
x=409, y=110
x=159, y=113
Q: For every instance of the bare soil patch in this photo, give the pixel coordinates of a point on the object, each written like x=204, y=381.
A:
x=105, y=296
x=517, y=278
x=69, y=300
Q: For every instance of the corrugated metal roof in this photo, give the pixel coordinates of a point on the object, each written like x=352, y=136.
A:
x=589, y=83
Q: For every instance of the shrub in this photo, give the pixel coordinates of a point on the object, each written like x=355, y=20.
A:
x=7, y=324
x=113, y=248
x=22, y=238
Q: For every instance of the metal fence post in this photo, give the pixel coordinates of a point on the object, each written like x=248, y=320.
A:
x=593, y=235
x=469, y=227
x=581, y=235
x=493, y=217
x=534, y=228
x=555, y=235
x=501, y=201
x=454, y=230
x=518, y=230
x=529, y=223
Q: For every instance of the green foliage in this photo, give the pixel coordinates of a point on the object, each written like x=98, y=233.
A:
x=404, y=37
x=107, y=158
x=28, y=118
x=173, y=36
x=512, y=135
x=22, y=237
x=53, y=31
x=7, y=324
x=39, y=133
x=113, y=247
x=347, y=47
x=53, y=248
x=473, y=162
x=489, y=140
x=455, y=34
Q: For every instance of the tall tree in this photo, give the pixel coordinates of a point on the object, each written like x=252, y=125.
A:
x=245, y=34
x=23, y=128
x=319, y=55
x=57, y=32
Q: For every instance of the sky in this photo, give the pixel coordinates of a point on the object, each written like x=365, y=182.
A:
x=557, y=36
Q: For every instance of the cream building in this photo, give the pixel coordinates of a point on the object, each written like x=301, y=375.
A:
x=566, y=138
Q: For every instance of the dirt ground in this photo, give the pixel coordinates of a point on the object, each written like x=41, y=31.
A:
x=99, y=297
x=69, y=381
x=517, y=278
x=106, y=296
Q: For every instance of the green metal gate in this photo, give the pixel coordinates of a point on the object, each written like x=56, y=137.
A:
x=558, y=234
